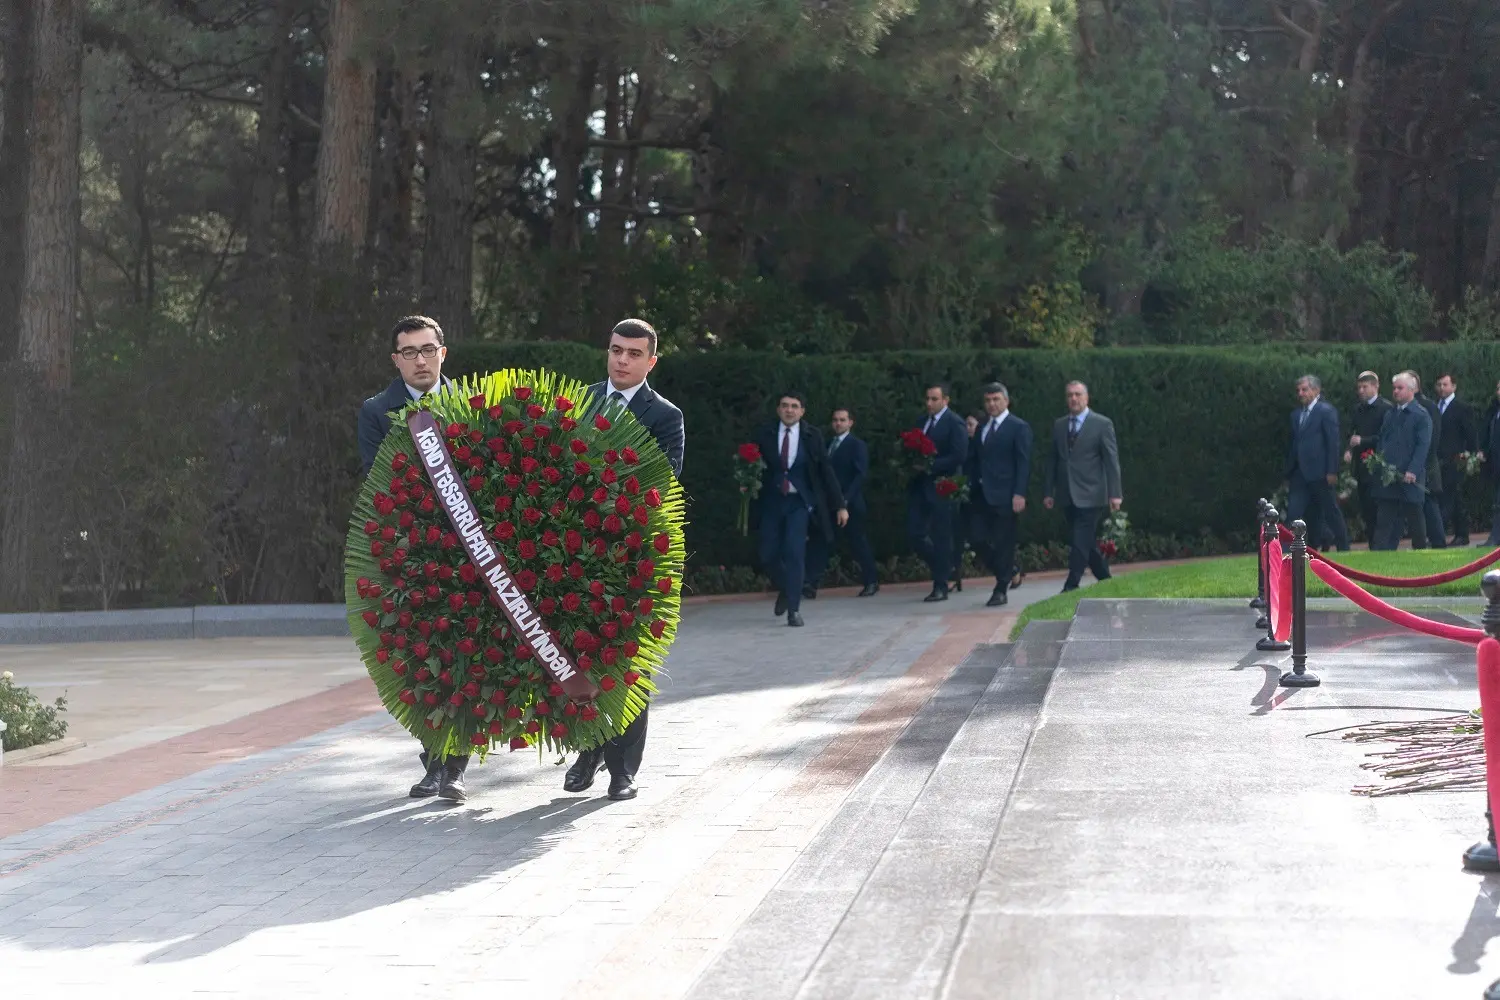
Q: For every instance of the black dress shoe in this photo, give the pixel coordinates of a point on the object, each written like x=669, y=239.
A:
x=871, y=589
x=1069, y=586
x=936, y=595
x=809, y=592
x=780, y=604
x=794, y=619
x=452, y=785
x=428, y=786
x=621, y=787
x=997, y=599
x=581, y=775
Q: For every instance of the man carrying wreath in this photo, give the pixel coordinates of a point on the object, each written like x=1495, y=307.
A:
x=631, y=357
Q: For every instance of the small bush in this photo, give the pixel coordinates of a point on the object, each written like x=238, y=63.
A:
x=28, y=720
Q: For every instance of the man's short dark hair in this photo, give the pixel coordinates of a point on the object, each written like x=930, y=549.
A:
x=844, y=410
x=942, y=387
x=635, y=329
x=991, y=388
x=1369, y=378
x=792, y=395
x=1445, y=375
x=411, y=324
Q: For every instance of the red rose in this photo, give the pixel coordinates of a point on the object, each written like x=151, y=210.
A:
x=601, y=423
x=496, y=445
x=622, y=504
x=471, y=690
x=579, y=469
x=589, y=713
x=529, y=464
x=596, y=606
x=607, y=682
x=653, y=497
x=591, y=520
x=496, y=412
x=467, y=573
x=570, y=602
x=419, y=649
x=477, y=402
x=542, y=708
x=533, y=411
x=467, y=646
x=526, y=579
x=495, y=728
x=531, y=515
x=609, y=656
x=434, y=533
x=476, y=483
x=749, y=452
x=608, y=476
x=427, y=506
x=567, y=423
x=518, y=743
x=629, y=455
x=575, y=569
x=450, y=540
x=371, y=619
x=597, y=588
x=456, y=602
x=528, y=444
x=559, y=731
x=617, y=604
x=633, y=541
x=555, y=575
x=476, y=436
x=584, y=663
x=929, y=447
x=613, y=524
x=513, y=712
x=609, y=630
x=471, y=626
x=502, y=504
x=533, y=489
x=552, y=476
x=533, y=726
x=512, y=481
x=527, y=548
x=523, y=392
x=575, y=495
x=632, y=485
x=371, y=527
x=572, y=540
x=631, y=677
x=642, y=516
x=514, y=426
x=645, y=567
x=404, y=619
x=443, y=624
x=658, y=627
x=631, y=648
x=662, y=543
x=398, y=461
x=524, y=651
x=408, y=696
x=541, y=430
x=1366, y=454
x=493, y=655
x=548, y=605
x=599, y=548
x=387, y=534
x=644, y=605
x=563, y=404
x=453, y=430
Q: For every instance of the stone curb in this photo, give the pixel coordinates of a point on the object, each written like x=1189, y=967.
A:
x=64, y=745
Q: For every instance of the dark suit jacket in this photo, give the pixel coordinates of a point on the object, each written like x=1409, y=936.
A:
x=826, y=497
x=1366, y=420
x=1434, y=470
x=1489, y=439
x=1405, y=442
x=1000, y=465
x=951, y=436
x=1457, y=433
x=662, y=420
x=1316, y=449
x=375, y=419
x=1089, y=472
x=851, y=464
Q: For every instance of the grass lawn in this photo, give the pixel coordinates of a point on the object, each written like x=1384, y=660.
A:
x=1234, y=576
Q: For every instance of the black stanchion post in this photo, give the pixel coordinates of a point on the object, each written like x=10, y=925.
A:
x=1268, y=643
x=1483, y=856
x=1258, y=602
x=1298, y=676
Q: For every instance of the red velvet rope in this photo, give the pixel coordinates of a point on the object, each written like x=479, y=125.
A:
x=1330, y=575
x=1432, y=580
x=1278, y=592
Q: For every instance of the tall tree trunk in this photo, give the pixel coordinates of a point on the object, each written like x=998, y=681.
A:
x=391, y=239
x=571, y=107
x=269, y=143
x=609, y=302
x=452, y=157
x=345, y=148
x=15, y=23
x=1489, y=276
x=49, y=298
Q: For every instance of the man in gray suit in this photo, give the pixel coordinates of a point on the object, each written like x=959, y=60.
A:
x=1083, y=473
x=1405, y=442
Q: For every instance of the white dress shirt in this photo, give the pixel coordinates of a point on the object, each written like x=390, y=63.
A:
x=629, y=394
x=794, y=433
x=932, y=421
x=992, y=426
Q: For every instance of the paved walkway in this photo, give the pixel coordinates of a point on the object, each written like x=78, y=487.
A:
x=237, y=824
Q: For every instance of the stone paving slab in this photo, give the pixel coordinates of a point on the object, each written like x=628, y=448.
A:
x=279, y=870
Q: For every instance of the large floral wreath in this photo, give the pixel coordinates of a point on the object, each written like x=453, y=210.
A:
x=512, y=565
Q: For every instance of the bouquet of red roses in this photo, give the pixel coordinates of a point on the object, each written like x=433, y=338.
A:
x=917, y=451
x=747, y=476
x=953, y=488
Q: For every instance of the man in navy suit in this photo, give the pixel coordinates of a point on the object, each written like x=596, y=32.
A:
x=799, y=491
x=999, y=470
x=631, y=357
x=1405, y=443
x=417, y=351
x=851, y=464
x=929, y=518
x=1312, y=464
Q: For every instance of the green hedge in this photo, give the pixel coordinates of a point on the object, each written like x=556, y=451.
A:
x=1203, y=431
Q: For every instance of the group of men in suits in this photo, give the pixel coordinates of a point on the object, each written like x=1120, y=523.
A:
x=417, y=351
x=820, y=496
x=1421, y=440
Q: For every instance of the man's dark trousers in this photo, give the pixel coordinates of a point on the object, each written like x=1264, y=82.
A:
x=1083, y=548
x=1392, y=516
x=1432, y=519
x=783, y=543
x=818, y=550
x=1452, y=503
x=993, y=531
x=929, y=529
x=1313, y=501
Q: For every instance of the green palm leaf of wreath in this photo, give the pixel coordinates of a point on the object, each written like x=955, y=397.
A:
x=582, y=504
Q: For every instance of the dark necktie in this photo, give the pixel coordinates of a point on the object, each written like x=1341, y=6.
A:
x=928, y=429
x=834, y=447
x=1072, y=431
x=617, y=396
x=989, y=429
x=786, y=458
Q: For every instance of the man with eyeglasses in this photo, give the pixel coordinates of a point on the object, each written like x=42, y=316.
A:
x=417, y=351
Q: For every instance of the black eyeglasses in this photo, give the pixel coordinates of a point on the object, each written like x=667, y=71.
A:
x=426, y=350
